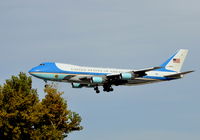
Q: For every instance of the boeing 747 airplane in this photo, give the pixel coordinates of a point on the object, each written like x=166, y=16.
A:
x=91, y=77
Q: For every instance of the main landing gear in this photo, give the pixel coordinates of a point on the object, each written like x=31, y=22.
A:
x=106, y=88
x=96, y=88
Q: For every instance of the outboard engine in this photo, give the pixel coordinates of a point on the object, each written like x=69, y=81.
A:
x=97, y=80
x=127, y=76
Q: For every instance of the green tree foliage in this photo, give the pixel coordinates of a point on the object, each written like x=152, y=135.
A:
x=24, y=116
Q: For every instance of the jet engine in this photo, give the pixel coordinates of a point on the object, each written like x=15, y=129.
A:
x=127, y=76
x=97, y=80
x=76, y=85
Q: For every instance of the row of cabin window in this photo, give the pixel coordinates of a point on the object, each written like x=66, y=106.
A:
x=95, y=70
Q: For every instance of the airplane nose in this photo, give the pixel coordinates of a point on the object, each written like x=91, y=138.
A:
x=30, y=71
x=33, y=70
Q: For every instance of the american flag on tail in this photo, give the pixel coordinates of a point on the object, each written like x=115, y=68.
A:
x=176, y=60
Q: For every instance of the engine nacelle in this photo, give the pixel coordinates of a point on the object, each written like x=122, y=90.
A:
x=76, y=85
x=97, y=80
x=127, y=76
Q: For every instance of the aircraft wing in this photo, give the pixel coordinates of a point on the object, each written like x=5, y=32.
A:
x=117, y=79
x=139, y=73
x=178, y=75
x=142, y=72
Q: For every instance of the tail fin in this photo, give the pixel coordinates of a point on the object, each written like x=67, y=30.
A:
x=175, y=62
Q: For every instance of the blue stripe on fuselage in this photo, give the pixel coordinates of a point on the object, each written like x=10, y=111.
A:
x=158, y=78
x=49, y=76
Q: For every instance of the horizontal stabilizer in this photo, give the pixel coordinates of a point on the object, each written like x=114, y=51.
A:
x=178, y=75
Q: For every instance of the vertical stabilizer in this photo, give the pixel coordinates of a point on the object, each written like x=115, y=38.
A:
x=175, y=63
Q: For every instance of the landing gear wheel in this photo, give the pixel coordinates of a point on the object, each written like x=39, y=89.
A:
x=97, y=89
x=107, y=88
x=111, y=89
x=46, y=85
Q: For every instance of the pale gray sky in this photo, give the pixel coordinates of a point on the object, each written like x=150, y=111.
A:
x=111, y=33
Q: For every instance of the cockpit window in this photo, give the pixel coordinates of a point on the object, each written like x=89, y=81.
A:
x=41, y=64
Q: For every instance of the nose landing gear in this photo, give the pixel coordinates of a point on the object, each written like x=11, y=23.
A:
x=46, y=84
